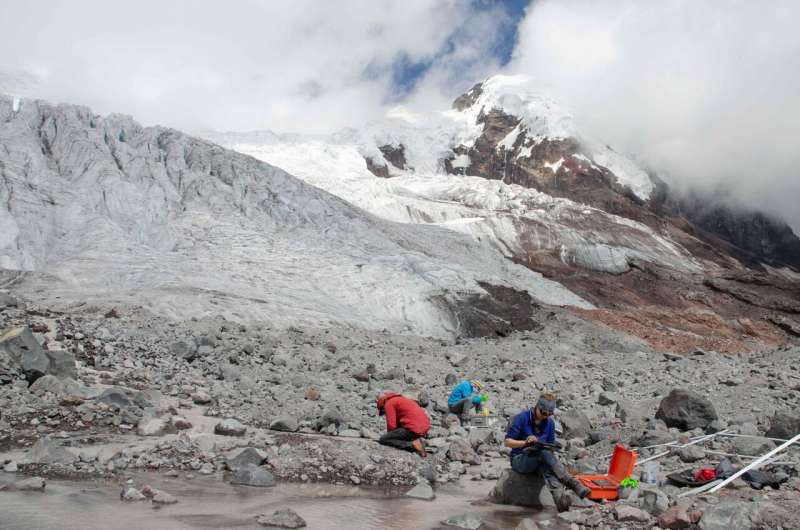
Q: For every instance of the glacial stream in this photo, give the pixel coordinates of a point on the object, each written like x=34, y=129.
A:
x=208, y=502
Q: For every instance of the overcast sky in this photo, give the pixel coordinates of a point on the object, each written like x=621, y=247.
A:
x=706, y=92
x=292, y=66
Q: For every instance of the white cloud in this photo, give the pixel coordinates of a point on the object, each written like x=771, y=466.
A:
x=288, y=66
x=707, y=92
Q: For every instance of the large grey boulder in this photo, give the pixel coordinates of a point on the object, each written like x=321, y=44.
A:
x=162, y=497
x=608, y=398
x=31, y=484
x=116, y=397
x=201, y=398
x=584, y=518
x=332, y=416
x=686, y=410
x=59, y=387
x=19, y=347
x=635, y=412
x=461, y=451
x=6, y=300
x=123, y=397
x=183, y=349
x=230, y=427
x=130, y=494
x=46, y=451
x=149, y=426
x=248, y=455
x=62, y=364
x=285, y=424
x=653, y=500
x=739, y=515
x=422, y=490
x=427, y=470
x=575, y=424
x=652, y=437
x=28, y=484
x=626, y=512
x=692, y=453
x=784, y=425
x=47, y=383
x=479, y=436
x=252, y=475
x=675, y=518
x=522, y=490
x=752, y=446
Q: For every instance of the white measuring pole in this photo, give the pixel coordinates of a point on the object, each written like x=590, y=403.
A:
x=746, y=457
x=754, y=436
x=693, y=442
x=754, y=464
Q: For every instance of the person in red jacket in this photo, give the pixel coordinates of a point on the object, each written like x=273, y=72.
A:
x=406, y=423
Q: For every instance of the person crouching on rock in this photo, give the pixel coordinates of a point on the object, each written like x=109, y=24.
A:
x=533, y=426
x=406, y=423
x=465, y=396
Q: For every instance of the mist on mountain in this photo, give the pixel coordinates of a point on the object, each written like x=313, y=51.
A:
x=704, y=92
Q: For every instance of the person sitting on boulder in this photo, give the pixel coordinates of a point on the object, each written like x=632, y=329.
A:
x=537, y=425
x=406, y=423
x=465, y=396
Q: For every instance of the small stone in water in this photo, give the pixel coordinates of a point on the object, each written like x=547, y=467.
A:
x=285, y=518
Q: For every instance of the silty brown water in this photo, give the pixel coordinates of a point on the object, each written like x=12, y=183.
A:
x=207, y=502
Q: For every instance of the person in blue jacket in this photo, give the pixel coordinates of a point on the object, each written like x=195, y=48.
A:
x=537, y=425
x=465, y=396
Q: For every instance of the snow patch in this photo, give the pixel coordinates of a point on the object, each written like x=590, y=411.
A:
x=462, y=221
x=627, y=172
x=461, y=161
x=525, y=152
x=508, y=142
x=555, y=166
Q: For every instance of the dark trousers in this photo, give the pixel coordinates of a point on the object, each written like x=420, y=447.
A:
x=462, y=407
x=544, y=462
x=400, y=438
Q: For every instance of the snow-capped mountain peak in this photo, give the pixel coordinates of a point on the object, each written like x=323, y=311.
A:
x=506, y=116
x=516, y=95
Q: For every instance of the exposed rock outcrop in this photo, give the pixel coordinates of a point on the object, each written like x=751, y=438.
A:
x=686, y=410
x=20, y=349
x=522, y=490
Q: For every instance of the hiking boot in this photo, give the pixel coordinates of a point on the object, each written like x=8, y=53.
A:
x=578, y=487
x=419, y=448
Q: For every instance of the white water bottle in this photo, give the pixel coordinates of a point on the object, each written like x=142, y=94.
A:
x=650, y=473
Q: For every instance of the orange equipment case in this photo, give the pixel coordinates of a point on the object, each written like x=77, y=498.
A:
x=620, y=468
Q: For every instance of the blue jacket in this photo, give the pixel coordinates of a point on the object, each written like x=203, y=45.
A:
x=461, y=391
x=523, y=425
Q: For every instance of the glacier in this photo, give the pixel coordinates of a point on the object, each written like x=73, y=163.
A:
x=102, y=210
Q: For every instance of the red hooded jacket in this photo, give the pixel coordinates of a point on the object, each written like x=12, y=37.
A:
x=403, y=412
